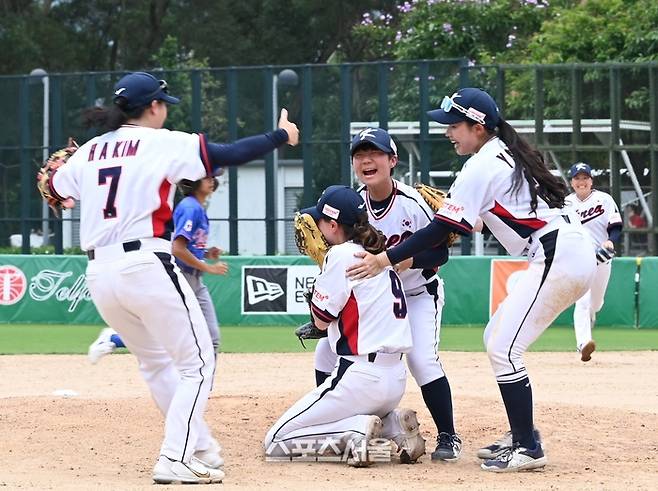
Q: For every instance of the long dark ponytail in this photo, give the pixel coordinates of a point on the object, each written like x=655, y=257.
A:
x=110, y=118
x=531, y=168
x=363, y=233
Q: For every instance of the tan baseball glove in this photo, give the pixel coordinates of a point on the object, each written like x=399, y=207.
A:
x=49, y=167
x=309, y=239
x=434, y=198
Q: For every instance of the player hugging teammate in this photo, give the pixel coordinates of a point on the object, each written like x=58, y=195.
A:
x=398, y=210
x=352, y=414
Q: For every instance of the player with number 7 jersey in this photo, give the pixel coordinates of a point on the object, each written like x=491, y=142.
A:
x=125, y=180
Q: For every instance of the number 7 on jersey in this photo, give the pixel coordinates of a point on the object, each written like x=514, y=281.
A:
x=113, y=174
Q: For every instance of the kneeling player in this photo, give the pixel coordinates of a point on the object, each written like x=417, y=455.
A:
x=368, y=329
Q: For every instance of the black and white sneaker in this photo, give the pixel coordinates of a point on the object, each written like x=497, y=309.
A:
x=501, y=445
x=448, y=447
x=517, y=458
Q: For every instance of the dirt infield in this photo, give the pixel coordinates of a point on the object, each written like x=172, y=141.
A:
x=599, y=422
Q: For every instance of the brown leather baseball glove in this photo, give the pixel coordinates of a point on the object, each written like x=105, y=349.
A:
x=434, y=198
x=44, y=176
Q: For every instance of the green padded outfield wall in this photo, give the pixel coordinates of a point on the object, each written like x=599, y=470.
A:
x=268, y=290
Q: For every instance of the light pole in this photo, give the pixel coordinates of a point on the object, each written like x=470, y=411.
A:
x=285, y=78
x=43, y=75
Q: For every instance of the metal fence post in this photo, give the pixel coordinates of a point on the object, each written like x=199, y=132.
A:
x=56, y=142
x=653, y=117
x=307, y=134
x=270, y=191
x=26, y=171
x=196, y=101
x=615, y=108
x=345, y=120
x=382, y=96
x=576, y=110
x=232, y=116
x=424, y=103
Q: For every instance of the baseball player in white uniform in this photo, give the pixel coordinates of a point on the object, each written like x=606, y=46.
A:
x=508, y=186
x=125, y=181
x=397, y=210
x=368, y=330
x=600, y=216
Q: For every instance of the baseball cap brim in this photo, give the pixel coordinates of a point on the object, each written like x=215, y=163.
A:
x=169, y=99
x=383, y=148
x=440, y=116
x=313, y=211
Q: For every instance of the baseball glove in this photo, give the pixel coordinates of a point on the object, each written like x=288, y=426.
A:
x=309, y=239
x=434, y=198
x=44, y=176
x=309, y=331
x=604, y=256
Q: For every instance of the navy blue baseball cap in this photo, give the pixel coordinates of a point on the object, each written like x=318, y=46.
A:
x=374, y=136
x=469, y=104
x=580, y=168
x=340, y=203
x=139, y=89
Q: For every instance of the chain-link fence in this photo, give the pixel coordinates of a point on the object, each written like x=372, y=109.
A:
x=604, y=114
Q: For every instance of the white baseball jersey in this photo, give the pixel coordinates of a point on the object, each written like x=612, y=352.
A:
x=482, y=189
x=406, y=212
x=598, y=212
x=104, y=173
x=365, y=316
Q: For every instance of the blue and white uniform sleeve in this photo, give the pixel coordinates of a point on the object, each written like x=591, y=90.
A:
x=459, y=212
x=466, y=197
x=615, y=222
x=185, y=222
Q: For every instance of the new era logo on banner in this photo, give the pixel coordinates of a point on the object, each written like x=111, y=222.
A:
x=276, y=289
x=264, y=290
x=259, y=289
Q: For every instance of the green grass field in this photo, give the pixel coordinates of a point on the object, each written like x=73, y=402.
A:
x=54, y=338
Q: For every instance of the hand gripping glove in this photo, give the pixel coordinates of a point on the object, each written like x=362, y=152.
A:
x=309, y=239
x=434, y=198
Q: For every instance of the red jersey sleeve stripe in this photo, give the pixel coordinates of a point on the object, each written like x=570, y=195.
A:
x=204, y=154
x=463, y=225
x=323, y=315
x=52, y=188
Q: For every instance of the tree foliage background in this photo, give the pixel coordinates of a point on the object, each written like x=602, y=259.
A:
x=98, y=35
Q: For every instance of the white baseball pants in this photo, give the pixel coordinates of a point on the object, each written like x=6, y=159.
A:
x=588, y=305
x=561, y=270
x=144, y=297
x=339, y=408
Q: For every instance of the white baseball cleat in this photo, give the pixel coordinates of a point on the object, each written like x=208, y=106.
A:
x=102, y=346
x=401, y=425
x=210, y=457
x=361, y=446
x=517, y=458
x=168, y=471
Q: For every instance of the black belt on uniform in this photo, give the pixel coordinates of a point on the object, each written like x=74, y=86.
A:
x=373, y=356
x=133, y=245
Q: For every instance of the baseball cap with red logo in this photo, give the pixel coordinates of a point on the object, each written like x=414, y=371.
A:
x=340, y=203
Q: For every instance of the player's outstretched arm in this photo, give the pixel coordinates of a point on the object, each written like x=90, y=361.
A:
x=253, y=147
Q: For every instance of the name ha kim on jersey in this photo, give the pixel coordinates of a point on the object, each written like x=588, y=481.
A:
x=121, y=148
